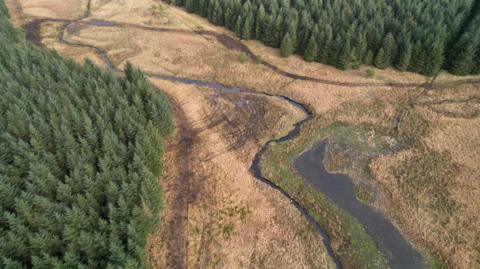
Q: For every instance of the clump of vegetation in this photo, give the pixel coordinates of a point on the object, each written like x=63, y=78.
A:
x=438, y=264
x=227, y=230
x=411, y=127
x=335, y=158
x=370, y=73
x=158, y=10
x=286, y=47
x=258, y=59
x=243, y=58
x=80, y=153
x=364, y=193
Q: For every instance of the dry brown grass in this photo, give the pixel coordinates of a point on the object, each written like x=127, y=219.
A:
x=452, y=235
x=141, y=12
x=236, y=221
x=297, y=65
x=70, y=9
x=442, y=153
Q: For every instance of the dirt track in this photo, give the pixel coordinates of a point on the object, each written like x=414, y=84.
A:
x=229, y=42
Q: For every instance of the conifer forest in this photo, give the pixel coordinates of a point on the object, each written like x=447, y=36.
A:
x=80, y=153
x=415, y=35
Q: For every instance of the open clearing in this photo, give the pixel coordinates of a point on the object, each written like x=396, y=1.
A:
x=217, y=215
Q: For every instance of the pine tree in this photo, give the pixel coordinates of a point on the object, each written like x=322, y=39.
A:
x=435, y=58
x=217, y=13
x=269, y=31
x=239, y=26
x=229, y=16
x=369, y=57
x=191, y=5
x=354, y=59
x=247, y=27
x=304, y=32
x=405, y=54
x=325, y=44
x=476, y=66
x=259, y=22
x=418, y=60
x=343, y=59
x=286, y=48
x=462, y=60
x=389, y=49
x=334, y=51
x=277, y=31
x=380, y=59
x=311, y=50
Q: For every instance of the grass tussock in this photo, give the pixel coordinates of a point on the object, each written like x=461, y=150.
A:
x=425, y=180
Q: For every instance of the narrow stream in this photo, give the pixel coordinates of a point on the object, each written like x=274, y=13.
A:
x=340, y=189
x=218, y=87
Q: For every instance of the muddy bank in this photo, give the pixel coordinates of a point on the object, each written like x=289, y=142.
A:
x=340, y=189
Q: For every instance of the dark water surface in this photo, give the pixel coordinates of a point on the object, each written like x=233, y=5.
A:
x=340, y=189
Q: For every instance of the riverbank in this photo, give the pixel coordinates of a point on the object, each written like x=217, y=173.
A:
x=341, y=190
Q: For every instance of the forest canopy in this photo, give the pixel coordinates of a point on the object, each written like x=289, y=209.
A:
x=415, y=35
x=80, y=154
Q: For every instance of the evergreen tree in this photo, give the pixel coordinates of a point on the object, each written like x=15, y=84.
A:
x=326, y=44
x=369, y=57
x=381, y=60
x=239, y=26
x=334, y=52
x=312, y=49
x=435, y=58
x=343, y=59
x=247, y=27
x=217, y=13
x=476, y=66
x=462, y=60
x=259, y=22
x=405, y=55
x=286, y=48
x=418, y=61
x=389, y=49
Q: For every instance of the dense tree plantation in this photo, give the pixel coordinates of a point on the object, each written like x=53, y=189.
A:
x=416, y=35
x=80, y=153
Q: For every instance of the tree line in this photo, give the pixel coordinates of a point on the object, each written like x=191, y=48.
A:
x=80, y=156
x=413, y=35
